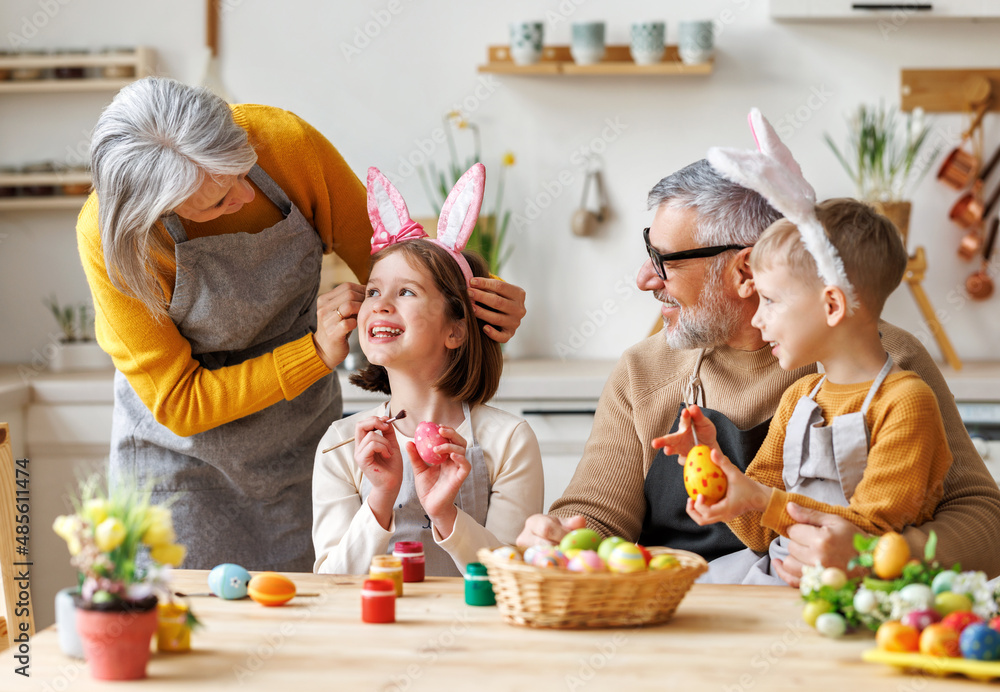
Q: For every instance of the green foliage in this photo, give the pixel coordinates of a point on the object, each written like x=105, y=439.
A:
x=75, y=320
x=882, y=152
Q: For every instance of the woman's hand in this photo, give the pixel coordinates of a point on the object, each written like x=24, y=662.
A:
x=376, y=453
x=336, y=318
x=438, y=484
x=506, y=307
x=742, y=495
x=682, y=441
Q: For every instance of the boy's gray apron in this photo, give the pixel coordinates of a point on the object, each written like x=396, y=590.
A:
x=241, y=491
x=823, y=462
x=412, y=523
x=666, y=521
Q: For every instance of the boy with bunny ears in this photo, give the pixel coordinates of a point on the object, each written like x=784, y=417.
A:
x=428, y=353
x=865, y=439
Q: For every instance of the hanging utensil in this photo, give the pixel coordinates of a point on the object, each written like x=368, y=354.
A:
x=979, y=286
x=210, y=77
x=960, y=166
x=972, y=243
x=586, y=218
x=968, y=211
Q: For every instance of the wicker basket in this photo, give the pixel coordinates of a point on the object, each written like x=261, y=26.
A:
x=559, y=599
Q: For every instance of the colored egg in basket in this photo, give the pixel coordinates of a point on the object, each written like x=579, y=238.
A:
x=626, y=558
x=587, y=561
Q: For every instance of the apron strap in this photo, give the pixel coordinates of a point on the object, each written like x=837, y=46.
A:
x=270, y=189
x=172, y=223
x=474, y=495
x=812, y=394
x=694, y=390
x=883, y=373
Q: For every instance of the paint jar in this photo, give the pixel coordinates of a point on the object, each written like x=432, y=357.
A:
x=172, y=631
x=387, y=567
x=478, y=589
x=378, y=601
x=411, y=554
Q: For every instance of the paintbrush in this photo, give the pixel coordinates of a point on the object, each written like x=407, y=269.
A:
x=401, y=414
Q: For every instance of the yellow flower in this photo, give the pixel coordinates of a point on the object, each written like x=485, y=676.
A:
x=462, y=124
x=508, y=159
x=95, y=510
x=454, y=114
x=109, y=534
x=68, y=529
x=171, y=554
x=160, y=528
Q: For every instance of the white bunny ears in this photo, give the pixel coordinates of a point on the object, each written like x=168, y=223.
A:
x=391, y=222
x=774, y=173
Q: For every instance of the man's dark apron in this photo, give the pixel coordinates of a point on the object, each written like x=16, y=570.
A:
x=666, y=521
x=241, y=492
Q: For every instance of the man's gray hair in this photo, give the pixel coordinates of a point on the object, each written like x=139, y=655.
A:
x=156, y=143
x=728, y=213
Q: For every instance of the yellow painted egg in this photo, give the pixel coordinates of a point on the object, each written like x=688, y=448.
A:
x=626, y=558
x=702, y=477
x=664, y=562
x=271, y=589
x=890, y=555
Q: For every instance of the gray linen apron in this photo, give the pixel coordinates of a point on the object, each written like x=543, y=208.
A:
x=413, y=524
x=241, y=492
x=823, y=462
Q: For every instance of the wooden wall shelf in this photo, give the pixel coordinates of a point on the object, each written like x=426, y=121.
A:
x=140, y=59
x=557, y=60
x=944, y=91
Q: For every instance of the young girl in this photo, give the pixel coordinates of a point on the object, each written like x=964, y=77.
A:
x=428, y=352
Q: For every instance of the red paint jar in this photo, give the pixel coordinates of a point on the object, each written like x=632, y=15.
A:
x=411, y=554
x=378, y=601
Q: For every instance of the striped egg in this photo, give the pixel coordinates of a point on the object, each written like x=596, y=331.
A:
x=626, y=558
x=548, y=556
x=271, y=589
x=587, y=561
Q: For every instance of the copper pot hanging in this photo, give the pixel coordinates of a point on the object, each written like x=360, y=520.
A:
x=972, y=243
x=960, y=166
x=979, y=286
x=968, y=211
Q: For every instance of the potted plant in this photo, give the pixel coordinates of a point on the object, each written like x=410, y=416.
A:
x=489, y=236
x=885, y=157
x=108, y=536
x=77, y=348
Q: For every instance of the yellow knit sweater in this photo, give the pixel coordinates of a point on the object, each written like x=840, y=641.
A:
x=640, y=402
x=155, y=356
x=908, y=458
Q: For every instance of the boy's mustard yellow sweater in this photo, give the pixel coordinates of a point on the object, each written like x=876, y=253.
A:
x=155, y=356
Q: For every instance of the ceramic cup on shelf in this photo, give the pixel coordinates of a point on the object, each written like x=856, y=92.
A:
x=648, y=41
x=526, y=42
x=696, y=41
x=587, y=42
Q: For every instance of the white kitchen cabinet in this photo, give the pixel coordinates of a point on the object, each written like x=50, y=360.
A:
x=817, y=10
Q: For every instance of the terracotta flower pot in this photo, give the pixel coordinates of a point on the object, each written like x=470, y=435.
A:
x=116, y=642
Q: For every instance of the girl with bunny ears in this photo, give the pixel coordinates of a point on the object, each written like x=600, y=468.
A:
x=428, y=353
x=863, y=440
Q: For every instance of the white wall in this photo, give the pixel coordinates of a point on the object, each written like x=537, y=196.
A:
x=380, y=104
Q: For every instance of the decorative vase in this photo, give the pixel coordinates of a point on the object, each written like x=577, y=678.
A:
x=70, y=356
x=116, y=642
x=898, y=213
x=172, y=631
x=69, y=638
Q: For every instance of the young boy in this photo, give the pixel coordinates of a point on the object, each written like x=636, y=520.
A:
x=865, y=440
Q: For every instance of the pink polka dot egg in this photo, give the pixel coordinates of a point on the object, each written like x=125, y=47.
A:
x=587, y=561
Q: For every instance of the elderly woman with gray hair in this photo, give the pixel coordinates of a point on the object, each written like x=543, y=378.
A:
x=202, y=244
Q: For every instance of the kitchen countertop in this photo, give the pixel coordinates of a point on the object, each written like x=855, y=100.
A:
x=522, y=379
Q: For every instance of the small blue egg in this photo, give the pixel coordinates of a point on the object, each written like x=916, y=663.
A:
x=942, y=582
x=228, y=581
x=980, y=642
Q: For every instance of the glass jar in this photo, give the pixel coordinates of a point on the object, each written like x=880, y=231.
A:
x=34, y=189
x=5, y=189
x=27, y=73
x=5, y=71
x=478, y=589
x=411, y=554
x=378, y=601
x=77, y=188
x=387, y=567
x=69, y=70
x=172, y=630
x=118, y=71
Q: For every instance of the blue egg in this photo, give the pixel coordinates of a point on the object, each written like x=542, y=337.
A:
x=980, y=642
x=942, y=582
x=228, y=581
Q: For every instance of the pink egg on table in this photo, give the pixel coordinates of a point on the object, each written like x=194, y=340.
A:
x=587, y=561
x=426, y=438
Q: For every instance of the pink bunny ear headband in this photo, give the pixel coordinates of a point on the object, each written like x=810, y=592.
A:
x=391, y=222
x=774, y=173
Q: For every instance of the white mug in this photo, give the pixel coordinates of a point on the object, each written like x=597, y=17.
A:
x=648, y=42
x=587, y=45
x=526, y=42
x=696, y=41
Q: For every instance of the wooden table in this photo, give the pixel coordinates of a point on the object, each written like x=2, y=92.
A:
x=726, y=638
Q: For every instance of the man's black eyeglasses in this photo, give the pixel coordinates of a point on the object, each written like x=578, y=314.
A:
x=660, y=260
